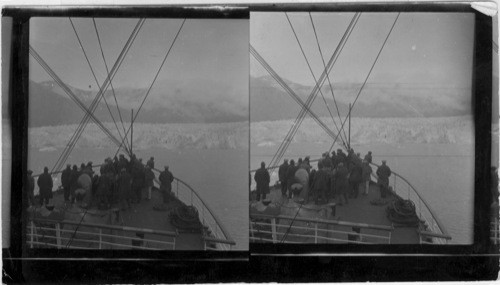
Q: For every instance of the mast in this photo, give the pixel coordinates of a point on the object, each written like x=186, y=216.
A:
x=349, y=138
x=131, y=132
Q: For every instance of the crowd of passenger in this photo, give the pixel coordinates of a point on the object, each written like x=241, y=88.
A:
x=120, y=182
x=338, y=176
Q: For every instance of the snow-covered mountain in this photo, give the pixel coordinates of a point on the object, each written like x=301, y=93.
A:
x=200, y=102
x=269, y=101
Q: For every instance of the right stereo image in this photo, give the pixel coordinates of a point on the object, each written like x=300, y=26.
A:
x=361, y=128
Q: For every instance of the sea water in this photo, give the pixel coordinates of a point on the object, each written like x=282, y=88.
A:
x=220, y=177
x=442, y=173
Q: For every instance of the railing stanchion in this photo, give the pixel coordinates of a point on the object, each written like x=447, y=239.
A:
x=316, y=233
x=273, y=229
x=100, y=238
x=58, y=235
x=32, y=233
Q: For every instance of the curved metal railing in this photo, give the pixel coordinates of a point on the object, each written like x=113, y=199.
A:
x=216, y=237
x=75, y=235
x=436, y=233
x=285, y=229
x=219, y=235
x=404, y=189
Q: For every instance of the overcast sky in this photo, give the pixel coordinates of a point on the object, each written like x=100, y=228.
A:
x=423, y=48
x=213, y=49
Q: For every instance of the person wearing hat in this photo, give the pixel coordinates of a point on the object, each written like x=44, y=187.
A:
x=45, y=184
x=66, y=181
x=30, y=186
x=383, y=173
x=262, y=178
x=151, y=162
x=368, y=157
x=166, y=178
x=282, y=176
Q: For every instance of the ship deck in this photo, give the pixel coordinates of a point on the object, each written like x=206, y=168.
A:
x=144, y=216
x=360, y=210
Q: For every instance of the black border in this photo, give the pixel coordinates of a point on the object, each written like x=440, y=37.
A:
x=266, y=262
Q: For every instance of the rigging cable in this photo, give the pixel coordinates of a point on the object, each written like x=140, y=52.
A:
x=72, y=96
x=311, y=98
x=327, y=76
x=370, y=71
x=294, y=96
x=331, y=62
x=312, y=73
x=111, y=83
x=96, y=100
x=153, y=82
x=93, y=74
x=114, y=69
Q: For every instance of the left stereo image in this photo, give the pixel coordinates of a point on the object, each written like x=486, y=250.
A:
x=138, y=134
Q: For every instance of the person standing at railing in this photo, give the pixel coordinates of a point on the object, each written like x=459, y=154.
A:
x=45, y=184
x=354, y=179
x=383, y=173
x=365, y=177
x=282, y=176
x=368, y=157
x=262, y=178
x=320, y=184
x=166, y=178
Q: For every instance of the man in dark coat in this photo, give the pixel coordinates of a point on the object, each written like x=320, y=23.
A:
x=341, y=183
x=354, y=179
x=383, y=173
x=368, y=157
x=320, y=184
x=45, y=184
x=341, y=157
x=103, y=190
x=138, y=179
x=262, y=179
x=166, y=178
x=30, y=186
x=282, y=176
x=124, y=189
x=151, y=162
x=290, y=177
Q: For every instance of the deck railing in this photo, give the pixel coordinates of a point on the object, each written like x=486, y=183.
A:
x=436, y=233
x=216, y=237
x=285, y=229
x=74, y=235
